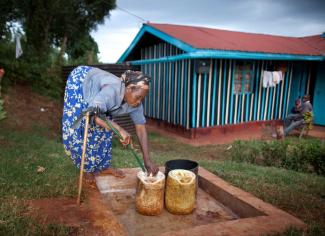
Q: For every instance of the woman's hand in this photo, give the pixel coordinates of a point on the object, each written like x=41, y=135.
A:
x=126, y=138
x=151, y=168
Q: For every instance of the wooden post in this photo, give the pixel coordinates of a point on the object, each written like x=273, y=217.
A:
x=84, y=147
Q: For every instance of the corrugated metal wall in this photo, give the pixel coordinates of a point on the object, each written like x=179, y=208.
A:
x=183, y=97
x=169, y=93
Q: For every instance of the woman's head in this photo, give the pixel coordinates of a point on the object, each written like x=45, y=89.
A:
x=136, y=87
x=306, y=98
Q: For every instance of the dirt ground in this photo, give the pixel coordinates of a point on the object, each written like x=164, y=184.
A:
x=228, y=136
x=263, y=132
x=25, y=109
x=91, y=217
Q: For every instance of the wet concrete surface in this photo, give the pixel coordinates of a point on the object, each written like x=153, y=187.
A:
x=221, y=209
x=122, y=204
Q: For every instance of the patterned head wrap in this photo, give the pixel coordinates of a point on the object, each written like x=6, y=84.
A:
x=134, y=77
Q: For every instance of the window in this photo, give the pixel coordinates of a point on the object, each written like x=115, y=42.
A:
x=243, y=81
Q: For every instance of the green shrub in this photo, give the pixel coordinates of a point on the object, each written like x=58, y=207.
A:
x=295, y=159
x=244, y=151
x=307, y=155
x=314, y=152
x=273, y=153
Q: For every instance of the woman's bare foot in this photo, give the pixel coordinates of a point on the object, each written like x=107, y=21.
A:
x=112, y=171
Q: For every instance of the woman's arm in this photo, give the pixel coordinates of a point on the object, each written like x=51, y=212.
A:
x=126, y=136
x=143, y=140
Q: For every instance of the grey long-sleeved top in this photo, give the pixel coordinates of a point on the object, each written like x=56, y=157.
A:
x=106, y=91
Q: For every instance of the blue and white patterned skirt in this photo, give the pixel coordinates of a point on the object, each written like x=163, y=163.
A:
x=99, y=142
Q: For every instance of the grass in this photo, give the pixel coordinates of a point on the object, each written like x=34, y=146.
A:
x=20, y=157
x=301, y=194
x=13, y=222
x=21, y=154
x=163, y=149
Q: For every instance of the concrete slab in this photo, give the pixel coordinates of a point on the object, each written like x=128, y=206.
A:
x=221, y=209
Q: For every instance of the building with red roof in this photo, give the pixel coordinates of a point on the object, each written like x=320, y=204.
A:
x=204, y=79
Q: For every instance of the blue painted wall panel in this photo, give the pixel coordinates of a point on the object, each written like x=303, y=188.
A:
x=170, y=91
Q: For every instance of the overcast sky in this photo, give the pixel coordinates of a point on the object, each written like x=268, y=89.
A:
x=279, y=17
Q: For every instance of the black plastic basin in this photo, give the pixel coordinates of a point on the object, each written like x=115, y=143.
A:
x=181, y=164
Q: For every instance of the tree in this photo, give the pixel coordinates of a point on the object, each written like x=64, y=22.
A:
x=50, y=23
x=51, y=28
x=8, y=14
x=83, y=50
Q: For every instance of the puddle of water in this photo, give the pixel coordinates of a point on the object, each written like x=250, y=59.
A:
x=122, y=204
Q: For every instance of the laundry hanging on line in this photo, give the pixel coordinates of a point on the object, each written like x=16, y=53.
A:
x=19, y=50
x=271, y=78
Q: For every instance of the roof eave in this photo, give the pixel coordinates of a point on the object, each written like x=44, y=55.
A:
x=223, y=54
x=147, y=28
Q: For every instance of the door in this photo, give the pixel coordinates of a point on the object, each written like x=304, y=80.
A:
x=319, y=95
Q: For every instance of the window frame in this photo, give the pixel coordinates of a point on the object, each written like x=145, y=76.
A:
x=251, y=65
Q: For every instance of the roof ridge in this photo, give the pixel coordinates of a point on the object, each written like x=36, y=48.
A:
x=227, y=30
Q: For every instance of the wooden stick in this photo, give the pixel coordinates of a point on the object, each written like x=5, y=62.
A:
x=83, y=157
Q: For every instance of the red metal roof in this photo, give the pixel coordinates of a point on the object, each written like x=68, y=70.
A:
x=207, y=38
x=316, y=42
